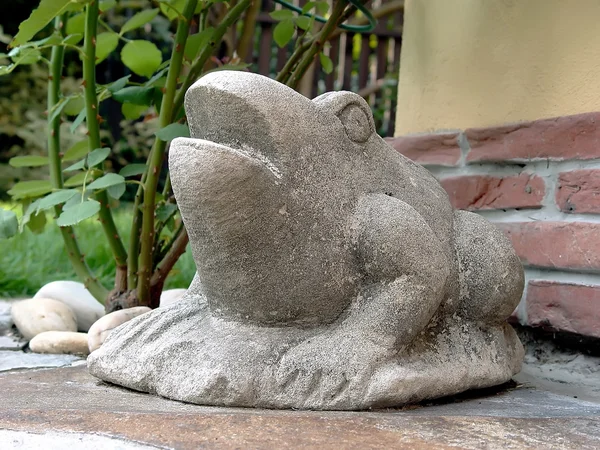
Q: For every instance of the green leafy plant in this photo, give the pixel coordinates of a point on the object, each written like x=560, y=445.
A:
x=81, y=183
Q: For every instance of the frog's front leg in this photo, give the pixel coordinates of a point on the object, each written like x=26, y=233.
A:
x=405, y=269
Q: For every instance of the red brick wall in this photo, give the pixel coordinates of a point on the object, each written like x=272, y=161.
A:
x=540, y=182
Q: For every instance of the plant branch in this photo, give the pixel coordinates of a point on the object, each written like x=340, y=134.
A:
x=134, y=240
x=157, y=155
x=248, y=30
x=234, y=14
x=287, y=69
x=91, y=104
x=176, y=250
x=73, y=252
x=317, y=44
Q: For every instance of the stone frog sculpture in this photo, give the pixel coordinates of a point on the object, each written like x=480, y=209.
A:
x=332, y=272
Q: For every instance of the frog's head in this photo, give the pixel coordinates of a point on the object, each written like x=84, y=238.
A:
x=257, y=184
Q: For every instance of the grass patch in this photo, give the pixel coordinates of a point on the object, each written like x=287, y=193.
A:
x=28, y=261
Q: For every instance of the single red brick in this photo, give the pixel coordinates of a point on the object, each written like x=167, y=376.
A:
x=560, y=245
x=429, y=149
x=564, y=306
x=579, y=191
x=568, y=137
x=473, y=192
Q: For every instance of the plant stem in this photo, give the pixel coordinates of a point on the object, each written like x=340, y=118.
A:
x=244, y=45
x=73, y=252
x=91, y=104
x=234, y=14
x=317, y=44
x=157, y=155
x=134, y=240
x=175, y=251
x=286, y=71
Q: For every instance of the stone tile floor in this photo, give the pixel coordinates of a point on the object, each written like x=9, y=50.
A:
x=51, y=402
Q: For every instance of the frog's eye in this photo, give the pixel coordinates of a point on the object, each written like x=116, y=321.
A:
x=356, y=123
x=352, y=111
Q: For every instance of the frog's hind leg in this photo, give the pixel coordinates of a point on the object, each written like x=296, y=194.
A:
x=490, y=274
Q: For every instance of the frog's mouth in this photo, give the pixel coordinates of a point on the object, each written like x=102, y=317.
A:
x=234, y=149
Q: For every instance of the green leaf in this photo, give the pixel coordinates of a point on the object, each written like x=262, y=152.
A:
x=110, y=179
x=303, y=22
x=25, y=55
x=118, y=85
x=78, y=121
x=77, y=151
x=105, y=5
x=158, y=76
x=75, y=180
x=106, y=43
x=131, y=111
x=116, y=191
x=283, y=32
x=4, y=70
x=92, y=159
x=322, y=8
x=197, y=42
x=29, y=208
x=132, y=169
x=136, y=95
x=282, y=14
x=173, y=131
x=74, y=105
x=39, y=18
x=138, y=20
x=9, y=225
x=164, y=212
x=306, y=8
x=28, y=161
x=57, y=109
x=73, y=39
x=96, y=156
x=76, y=24
x=37, y=222
x=326, y=63
x=77, y=213
x=173, y=9
x=142, y=57
x=55, y=198
x=28, y=189
x=79, y=165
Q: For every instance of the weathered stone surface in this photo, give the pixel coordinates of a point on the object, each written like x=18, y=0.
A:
x=564, y=306
x=561, y=138
x=69, y=400
x=73, y=294
x=60, y=342
x=480, y=192
x=100, y=330
x=431, y=149
x=12, y=360
x=578, y=191
x=37, y=315
x=171, y=296
x=556, y=245
x=333, y=272
x=11, y=343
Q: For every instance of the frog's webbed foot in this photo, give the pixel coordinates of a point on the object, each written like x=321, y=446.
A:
x=328, y=366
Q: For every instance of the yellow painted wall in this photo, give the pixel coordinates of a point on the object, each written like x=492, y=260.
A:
x=472, y=63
